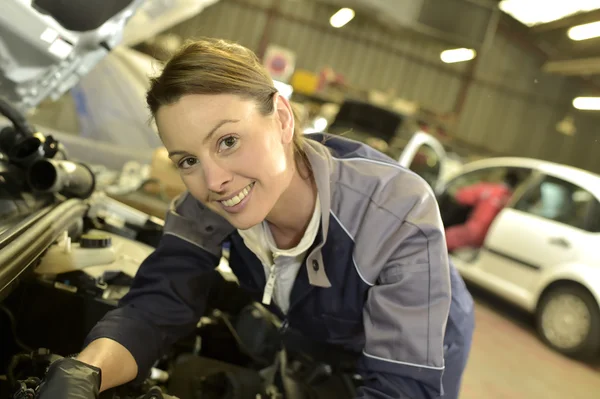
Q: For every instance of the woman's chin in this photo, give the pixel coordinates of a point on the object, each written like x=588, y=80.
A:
x=243, y=222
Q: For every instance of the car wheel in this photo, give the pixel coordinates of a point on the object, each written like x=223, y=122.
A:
x=568, y=319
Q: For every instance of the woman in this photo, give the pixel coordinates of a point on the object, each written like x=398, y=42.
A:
x=331, y=235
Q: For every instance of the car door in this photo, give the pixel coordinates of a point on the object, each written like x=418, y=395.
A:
x=545, y=227
x=426, y=156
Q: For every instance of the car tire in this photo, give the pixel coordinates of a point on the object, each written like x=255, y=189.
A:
x=557, y=316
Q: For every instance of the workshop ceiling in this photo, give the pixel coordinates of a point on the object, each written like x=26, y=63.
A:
x=566, y=56
x=543, y=24
x=441, y=19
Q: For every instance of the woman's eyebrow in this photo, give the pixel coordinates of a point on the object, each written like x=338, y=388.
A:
x=208, y=136
x=217, y=126
x=177, y=152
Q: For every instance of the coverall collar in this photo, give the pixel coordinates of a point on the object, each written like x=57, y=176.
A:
x=321, y=163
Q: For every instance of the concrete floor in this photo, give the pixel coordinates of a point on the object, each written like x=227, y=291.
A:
x=508, y=361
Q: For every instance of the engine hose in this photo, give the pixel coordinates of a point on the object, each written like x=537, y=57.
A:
x=17, y=118
x=13, y=328
x=243, y=348
x=14, y=362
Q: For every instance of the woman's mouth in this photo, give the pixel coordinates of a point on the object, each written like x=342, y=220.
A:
x=237, y=201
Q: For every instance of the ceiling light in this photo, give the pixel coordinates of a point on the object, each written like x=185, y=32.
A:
x=533, y=12
x=584, y=32
x=342, y=17
x=457, y=55
x=587, y=103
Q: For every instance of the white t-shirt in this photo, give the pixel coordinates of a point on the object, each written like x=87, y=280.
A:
x=284, y=263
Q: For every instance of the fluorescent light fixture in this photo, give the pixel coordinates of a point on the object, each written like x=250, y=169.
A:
x=584, y=32
x=534, y=12
x=342, y=17
x=284, y=89
x=587, y=103
x=457, y=55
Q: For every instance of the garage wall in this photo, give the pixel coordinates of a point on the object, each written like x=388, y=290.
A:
x=512, y=107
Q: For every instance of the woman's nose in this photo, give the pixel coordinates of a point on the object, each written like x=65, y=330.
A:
x=216, y=176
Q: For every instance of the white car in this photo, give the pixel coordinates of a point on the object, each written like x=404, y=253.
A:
x=540, y=253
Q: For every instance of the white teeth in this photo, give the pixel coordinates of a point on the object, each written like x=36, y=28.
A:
x=238, y=198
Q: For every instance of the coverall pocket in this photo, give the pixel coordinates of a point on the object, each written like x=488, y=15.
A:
x=341, y=330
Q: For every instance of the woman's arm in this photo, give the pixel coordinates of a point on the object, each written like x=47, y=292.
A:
x=165, y=302
x=407, y=308
x=116, y=363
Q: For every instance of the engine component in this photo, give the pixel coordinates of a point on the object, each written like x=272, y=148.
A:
x=29, y=386
x=22, y=251
x=98, y=241
x=67, y=178
x=8, y=139
x=43, y=59
x=27, y=151
x=104, y=206
x=30, y=149
x=21, y=126
x=77, y=16
x=96, y=253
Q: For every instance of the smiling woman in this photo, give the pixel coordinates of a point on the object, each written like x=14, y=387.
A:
x=329, y=234
x=239, y=136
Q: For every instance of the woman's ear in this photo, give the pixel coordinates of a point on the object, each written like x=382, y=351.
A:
x=285, y=118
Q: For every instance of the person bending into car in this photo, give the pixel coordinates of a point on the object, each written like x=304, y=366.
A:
x=331, y=235
x=487, y=200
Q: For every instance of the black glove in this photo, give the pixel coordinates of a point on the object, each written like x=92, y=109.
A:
x=70, y=379
x=156, y=393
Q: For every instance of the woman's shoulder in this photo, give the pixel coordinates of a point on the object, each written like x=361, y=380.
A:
x=383, y=183
x=380, y=206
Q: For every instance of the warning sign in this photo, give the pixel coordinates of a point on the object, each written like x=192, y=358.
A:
x=280, y=62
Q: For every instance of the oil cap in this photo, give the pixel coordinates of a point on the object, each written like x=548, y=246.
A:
x=95, y=241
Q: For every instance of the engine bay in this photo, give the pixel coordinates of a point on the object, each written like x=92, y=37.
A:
x=69, y=253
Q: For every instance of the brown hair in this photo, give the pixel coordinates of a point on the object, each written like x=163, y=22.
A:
x=216, y=66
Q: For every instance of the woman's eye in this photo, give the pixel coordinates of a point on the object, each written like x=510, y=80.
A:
x=187, y=163
x=227, y=143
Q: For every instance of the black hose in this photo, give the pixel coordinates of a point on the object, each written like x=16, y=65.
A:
x=26, y=151
x=14, y=362
x=16, y=117
x=241, y=345
x=13, y=328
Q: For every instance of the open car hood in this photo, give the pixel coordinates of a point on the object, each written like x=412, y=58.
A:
x=46, y=46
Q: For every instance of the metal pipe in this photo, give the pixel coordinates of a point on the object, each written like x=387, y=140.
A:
x=67, y=178
x=25, y=249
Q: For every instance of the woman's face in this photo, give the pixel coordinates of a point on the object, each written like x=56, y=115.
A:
x=231, y=158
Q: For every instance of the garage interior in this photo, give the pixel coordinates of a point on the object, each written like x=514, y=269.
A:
x=519, y=88
x=505, y=84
